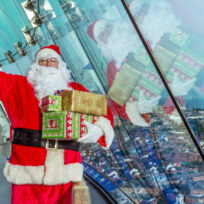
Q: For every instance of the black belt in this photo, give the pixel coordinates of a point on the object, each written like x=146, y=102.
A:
x=33, y=138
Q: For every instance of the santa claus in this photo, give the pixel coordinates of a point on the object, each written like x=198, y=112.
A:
x=118, y=39
x=39, y=171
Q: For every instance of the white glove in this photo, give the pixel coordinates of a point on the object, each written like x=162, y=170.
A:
x=105, y=125
x=180, y=88
x=145, y=105
x=131, y=109
x=176, y=117
x=93, y=135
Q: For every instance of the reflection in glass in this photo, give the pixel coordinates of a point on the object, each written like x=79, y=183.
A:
x=152, y=158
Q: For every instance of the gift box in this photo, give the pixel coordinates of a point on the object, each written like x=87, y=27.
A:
x=169, y=45
x=185, y=66
x=179, y=37
x=194, y=47
x=84, y=102
x=124, y=84
x=51, y=103
x=150, y=84
x=65, y=125
x=164, y=57
x=142, y=56
x=75, y=124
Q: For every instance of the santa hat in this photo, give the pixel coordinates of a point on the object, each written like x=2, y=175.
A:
x=48, y=51
x=90, y=29
x=96, y=28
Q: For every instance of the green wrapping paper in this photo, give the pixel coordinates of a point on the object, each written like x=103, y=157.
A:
x=51, y=103
x=179, y=37
x=65, y=125
x=185, y=66
x=54, y=125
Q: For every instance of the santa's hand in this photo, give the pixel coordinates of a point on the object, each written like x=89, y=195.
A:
x=180, y=88
x=93, y=135
x=108, y=131
x=145, y=105
x=131, y=109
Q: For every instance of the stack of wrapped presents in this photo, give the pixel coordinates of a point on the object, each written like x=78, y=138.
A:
x=179, y=53
x=64, y=113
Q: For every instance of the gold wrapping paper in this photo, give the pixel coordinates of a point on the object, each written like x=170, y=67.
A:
x=124, y=84
x=84, y=102
x=165, y=57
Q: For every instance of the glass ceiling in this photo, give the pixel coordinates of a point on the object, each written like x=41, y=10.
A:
x=153, y=158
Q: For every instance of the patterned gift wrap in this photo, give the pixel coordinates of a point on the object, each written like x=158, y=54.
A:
x=75, y=124
x=194, y=47
x=65, y=125
x=124, y=84
x=164, y=57
x=54, y=125
x=185, y=66
x=51, y=103
x=84, y=102
x=169, y=45
x=150, y=84
x=142, y=56
x=179, y=37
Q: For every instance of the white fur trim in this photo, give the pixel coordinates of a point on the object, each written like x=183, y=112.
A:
x=57, y=172
x=45, y=53
x=176, y=117
x=105, y=125
x=54, y=172
x=23, y=174
x=131, y=109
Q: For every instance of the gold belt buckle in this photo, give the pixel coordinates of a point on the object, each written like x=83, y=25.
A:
x=47, y=146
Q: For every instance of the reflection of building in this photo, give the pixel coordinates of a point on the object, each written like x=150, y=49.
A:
x=196, y=191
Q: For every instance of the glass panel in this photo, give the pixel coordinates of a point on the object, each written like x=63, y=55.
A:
x=59, y=30
x=152, y=149
x=13, y=19
x=22, y=65
x=176, y=38
x=152, y=158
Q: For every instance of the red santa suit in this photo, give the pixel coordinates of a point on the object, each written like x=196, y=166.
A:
x=47, y=175
x=116, y=52
x=117, y=39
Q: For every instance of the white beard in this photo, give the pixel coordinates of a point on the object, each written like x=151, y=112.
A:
x=122, y=40
x=46, y=80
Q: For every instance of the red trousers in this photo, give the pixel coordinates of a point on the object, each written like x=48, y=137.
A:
x=41, y=194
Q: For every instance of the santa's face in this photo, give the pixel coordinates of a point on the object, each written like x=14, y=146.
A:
x=49, y=62
x=46, y=77
x=104, y=35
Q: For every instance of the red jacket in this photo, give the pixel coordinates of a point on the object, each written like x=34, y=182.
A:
x=28, y=165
